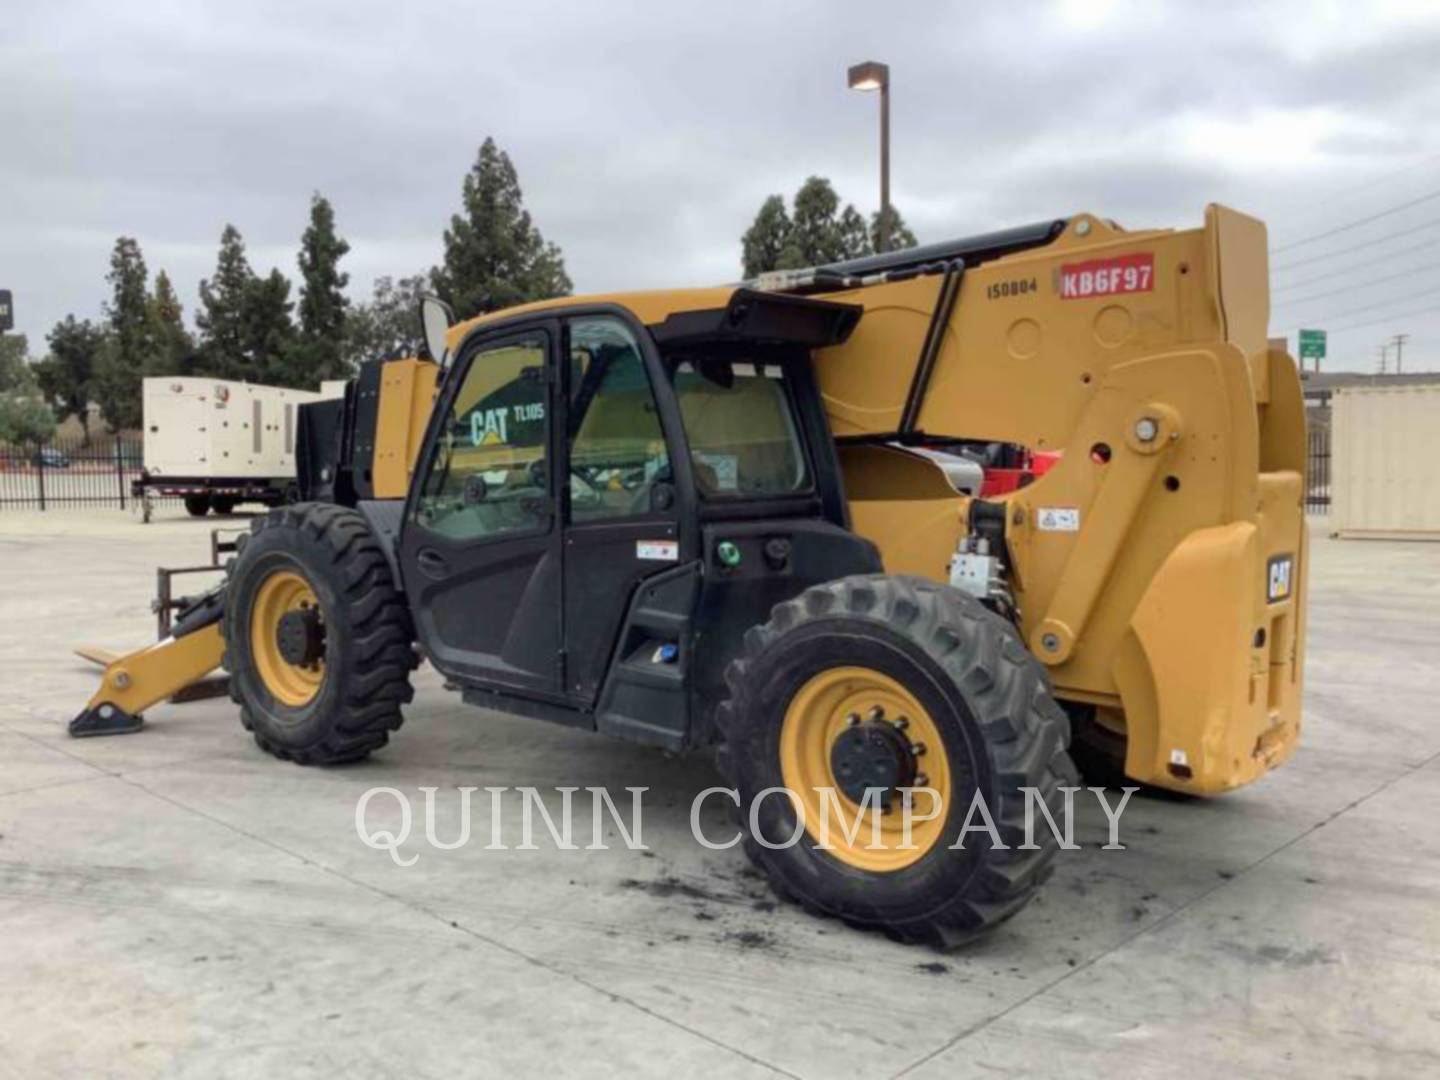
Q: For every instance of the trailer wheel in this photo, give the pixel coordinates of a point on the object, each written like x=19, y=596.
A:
x=197, y=505
x=894, y=683
x=223, y=504
x=318, y=641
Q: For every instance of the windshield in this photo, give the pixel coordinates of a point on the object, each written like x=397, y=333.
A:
x=741, y=427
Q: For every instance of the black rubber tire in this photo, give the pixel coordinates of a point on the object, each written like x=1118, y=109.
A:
x=222, y=504
x=368, y=636
x=1003, y=731
x=197, y=505
x=1098, y=752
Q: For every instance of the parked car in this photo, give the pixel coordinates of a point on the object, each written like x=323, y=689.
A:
x=49, y=457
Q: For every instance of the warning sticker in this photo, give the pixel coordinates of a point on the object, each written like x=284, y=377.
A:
x=1057, y=519
x=659, y=550
x=1107, y=277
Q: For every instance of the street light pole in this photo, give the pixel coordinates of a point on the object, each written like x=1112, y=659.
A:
x=883, y=239
x=873, y=75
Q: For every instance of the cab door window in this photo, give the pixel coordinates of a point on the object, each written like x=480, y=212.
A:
x=617, y=447
x=489, y=476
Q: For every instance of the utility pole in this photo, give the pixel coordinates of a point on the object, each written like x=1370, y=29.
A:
x=1384, y=352
x=1400, y=340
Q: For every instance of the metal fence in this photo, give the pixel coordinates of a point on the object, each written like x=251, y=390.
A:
x=63, y=473
x=1317, y=473
x=67, y=473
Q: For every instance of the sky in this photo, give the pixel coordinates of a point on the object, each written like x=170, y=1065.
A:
x=647, y=134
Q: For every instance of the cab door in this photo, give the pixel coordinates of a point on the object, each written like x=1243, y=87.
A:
x=480, y=552
x=622, y=504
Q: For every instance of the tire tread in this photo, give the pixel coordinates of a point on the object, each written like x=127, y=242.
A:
x=374, y=680
x=1007, y=691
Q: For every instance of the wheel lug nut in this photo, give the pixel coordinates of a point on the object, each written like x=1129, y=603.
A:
x=917, y=749
x=877, y=712
x=921, y=780
x=901, y=723
x=852, y=720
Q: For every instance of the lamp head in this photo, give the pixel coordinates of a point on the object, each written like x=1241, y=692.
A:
x=871, y=75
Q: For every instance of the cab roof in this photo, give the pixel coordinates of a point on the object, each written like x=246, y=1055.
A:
x=691, y=316
x=649, y=306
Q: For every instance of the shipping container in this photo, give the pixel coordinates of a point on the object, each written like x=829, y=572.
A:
x=1386, y=442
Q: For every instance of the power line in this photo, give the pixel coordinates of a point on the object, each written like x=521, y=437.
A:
x=1356, y=247
x=1432, y=308
x=1432, y=293
x=1356, y=224
x=1358, y=286
x=1428, y=310
x=1428, y=246
x=1388, y=178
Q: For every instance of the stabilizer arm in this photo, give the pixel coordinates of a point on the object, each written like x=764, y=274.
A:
x=134, y=682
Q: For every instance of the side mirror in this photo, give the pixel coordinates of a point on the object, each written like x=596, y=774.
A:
x=436, y=318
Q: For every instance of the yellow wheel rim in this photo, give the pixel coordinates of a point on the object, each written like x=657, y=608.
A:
x=822, y=709
x=291, y=684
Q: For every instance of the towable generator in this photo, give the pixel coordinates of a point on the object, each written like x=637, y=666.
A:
x=702, y=518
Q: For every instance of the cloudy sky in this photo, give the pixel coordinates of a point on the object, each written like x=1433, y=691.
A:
x=646, y=134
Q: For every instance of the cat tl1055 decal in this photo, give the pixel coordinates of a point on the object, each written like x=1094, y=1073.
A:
x=489, y=427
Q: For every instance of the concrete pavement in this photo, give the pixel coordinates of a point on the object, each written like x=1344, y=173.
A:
x=178, y=902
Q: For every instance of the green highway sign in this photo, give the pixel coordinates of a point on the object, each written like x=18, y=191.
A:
x=1312, y=344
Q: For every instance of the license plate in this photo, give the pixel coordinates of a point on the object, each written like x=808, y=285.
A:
x=1107, y=277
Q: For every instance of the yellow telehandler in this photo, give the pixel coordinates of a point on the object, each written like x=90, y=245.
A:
x=897, y=535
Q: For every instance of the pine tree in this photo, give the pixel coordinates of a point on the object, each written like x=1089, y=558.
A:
x=320, y=351
x=222, y=314
x=852, y=234
x=764, y=241
x=174, y=349
x=129, y=345
x=900, y=235
x=495, y=257
x=816, y=231
x=67, y=375
x=269, y=334
x=815, y=228
x=388, y=324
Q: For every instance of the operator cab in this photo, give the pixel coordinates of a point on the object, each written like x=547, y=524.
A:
x=596, y=494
